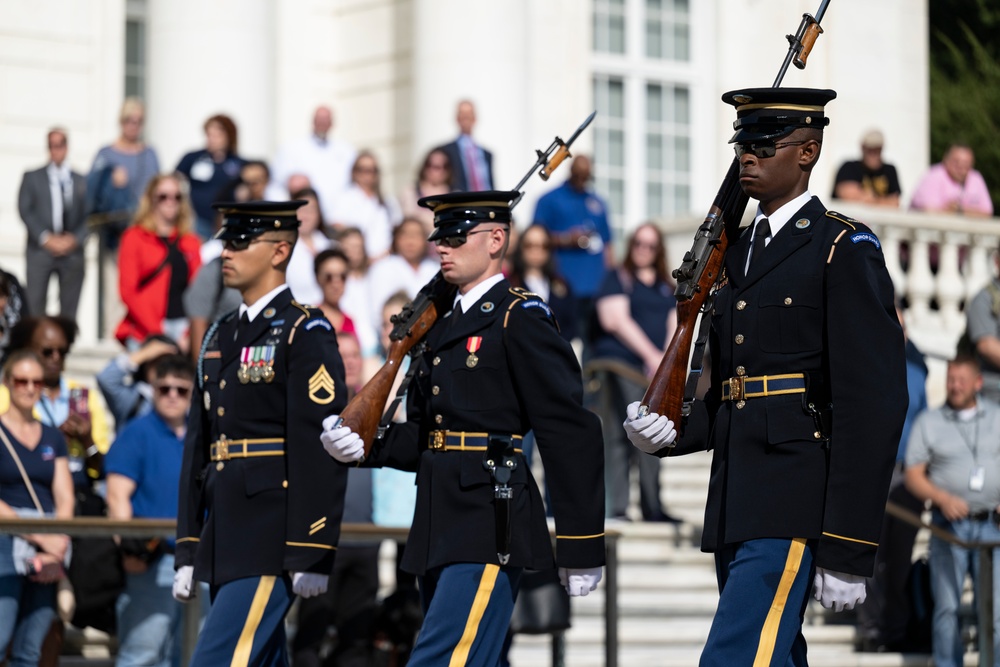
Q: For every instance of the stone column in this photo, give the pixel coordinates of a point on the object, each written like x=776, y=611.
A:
x=207, y=58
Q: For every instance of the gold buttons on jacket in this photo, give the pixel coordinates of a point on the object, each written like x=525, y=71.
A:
x=817, y=435
x=222, y=384
x=741, y=304
x=740, y=370
x=438, y=419
x=740, y=405
x=437, y=360
x=739, y=339
x=206, y=378
x=788, y=300
x=435, y=390
x=220, y=465
x=221, y=411
x=284, y=484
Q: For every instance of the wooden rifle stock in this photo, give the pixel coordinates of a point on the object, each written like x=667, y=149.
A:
x=697, y=274
x=364, y=412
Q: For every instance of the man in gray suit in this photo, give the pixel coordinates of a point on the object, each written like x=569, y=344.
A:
x=52, y=204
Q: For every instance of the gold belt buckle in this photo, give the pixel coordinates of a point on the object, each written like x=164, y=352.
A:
x=736, y=387
x=222, y=450
x=436, y=440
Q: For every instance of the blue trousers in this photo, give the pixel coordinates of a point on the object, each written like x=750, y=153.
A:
x=149, y=618
x=949, y=565
x=764, y=586
x=246, y=624
x=467, y=608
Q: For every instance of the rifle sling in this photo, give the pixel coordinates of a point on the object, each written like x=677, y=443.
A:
x=698, y=355
x=383, y=423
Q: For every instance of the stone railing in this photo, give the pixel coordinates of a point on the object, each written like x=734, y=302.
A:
x=945, y=261
x=937, y=263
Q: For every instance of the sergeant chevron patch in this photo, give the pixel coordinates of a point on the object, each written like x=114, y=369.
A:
x=321, y=383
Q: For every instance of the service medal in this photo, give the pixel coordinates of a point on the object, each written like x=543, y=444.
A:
x=267, y=371
x=243, y=374
x=472, y=345
x=255, y=365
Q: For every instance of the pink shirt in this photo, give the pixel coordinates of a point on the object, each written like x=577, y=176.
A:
x=936, y=192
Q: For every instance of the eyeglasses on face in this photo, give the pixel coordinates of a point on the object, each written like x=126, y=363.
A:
x=237, y=245
x=762, y=149
x=26, y=383
x=165, y=390
x=330, y=277
x=164, y=196
x=457, y=241
x=49, y=352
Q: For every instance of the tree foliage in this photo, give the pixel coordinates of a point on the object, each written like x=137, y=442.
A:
x=965, y=82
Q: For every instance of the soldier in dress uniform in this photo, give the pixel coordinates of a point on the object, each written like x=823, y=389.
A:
x=494, y=368
x=260, y=501
x=807, y=398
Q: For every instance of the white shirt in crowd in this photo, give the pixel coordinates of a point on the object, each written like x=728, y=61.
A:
x=393, y=274
x=327, y=163
x=300, y=274
x=356, y=209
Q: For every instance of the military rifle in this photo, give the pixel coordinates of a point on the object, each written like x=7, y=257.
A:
x=671, y=390
x=364, y=412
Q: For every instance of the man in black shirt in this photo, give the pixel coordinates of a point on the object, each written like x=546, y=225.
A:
x=868, y=180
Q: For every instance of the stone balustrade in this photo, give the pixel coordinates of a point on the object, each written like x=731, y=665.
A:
x=937, y=262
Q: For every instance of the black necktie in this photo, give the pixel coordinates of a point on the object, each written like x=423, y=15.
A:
x=244, y=323
x=67, y=202
x=760, y=234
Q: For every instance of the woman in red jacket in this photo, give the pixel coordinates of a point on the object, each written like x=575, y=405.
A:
x=159, y=255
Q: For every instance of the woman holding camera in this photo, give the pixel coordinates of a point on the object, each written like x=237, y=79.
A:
x=34, y=480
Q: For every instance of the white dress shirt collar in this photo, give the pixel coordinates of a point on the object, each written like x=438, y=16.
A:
x=469, y=299
x=254, y=309
x=778, y=219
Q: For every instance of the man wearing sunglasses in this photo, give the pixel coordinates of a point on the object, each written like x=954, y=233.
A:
x=494, y=368
x=260, y=501
x=807, y=398
x=144, y=468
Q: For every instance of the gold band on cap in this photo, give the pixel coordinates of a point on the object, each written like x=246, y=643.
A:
x=785, y=107
x=471, y=204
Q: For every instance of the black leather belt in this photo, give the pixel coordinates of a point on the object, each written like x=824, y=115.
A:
x=464, y=441
x=741, y=388
x=225, y=449
x=985, y=515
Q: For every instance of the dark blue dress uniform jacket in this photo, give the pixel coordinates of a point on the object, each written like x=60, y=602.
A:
x=818, y=301
x=527, y=377
x=267, y=514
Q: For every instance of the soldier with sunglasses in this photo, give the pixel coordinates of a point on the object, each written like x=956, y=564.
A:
x=494, y=368
x=260, y=501
x=807, y=398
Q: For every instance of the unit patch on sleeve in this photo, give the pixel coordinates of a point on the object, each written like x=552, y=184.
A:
x=866, y=237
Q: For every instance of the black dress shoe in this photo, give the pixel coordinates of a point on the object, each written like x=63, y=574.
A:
x=663, y=517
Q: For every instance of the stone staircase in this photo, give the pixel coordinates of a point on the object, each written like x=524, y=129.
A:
x=668, y=594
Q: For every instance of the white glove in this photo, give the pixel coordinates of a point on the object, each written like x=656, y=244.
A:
x=184, y=590
x=341, y=443
x=650, y=433
x=838, y=591
x=580, y=581
x=308, y=584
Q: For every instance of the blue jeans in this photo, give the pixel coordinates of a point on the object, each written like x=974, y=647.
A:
x=949, y=565
x=27, y=610
x=149, y=618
